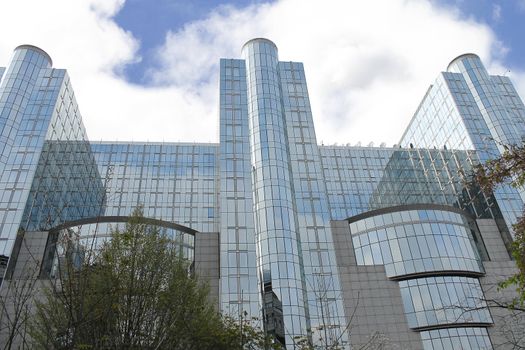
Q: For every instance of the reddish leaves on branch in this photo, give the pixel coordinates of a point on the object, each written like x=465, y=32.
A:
x=509, y=169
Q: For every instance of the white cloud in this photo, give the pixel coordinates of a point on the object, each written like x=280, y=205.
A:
x=496, y=12
x=368, y=64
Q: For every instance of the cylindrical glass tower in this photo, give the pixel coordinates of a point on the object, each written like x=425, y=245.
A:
x=280, y=272
x=16, y=87
x=17, y=90
x=505, y=130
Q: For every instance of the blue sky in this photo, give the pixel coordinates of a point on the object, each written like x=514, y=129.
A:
x=506, y=18
x=136, y=16
x=148, y=69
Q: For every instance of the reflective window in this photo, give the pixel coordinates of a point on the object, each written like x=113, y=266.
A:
x=416, y=241
x=433, y=301
x=81, y=243
x=456, y=338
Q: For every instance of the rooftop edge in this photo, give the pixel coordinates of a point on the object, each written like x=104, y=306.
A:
x=460, y=57
x=260, y=39
x=37, y=49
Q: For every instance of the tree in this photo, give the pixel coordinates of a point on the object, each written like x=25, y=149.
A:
x=135, y=292
x=16, y=298
x=330, y=336
x=509, y=168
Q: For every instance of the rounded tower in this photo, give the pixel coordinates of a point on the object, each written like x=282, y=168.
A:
x=16, y=87
x=277, y=236
x=502, y=126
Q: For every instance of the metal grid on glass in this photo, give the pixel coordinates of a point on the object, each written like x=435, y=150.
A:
x=268, y=188
x=171, y=182
x=278, y=239
x=416, y=241
x=456, y=338
x=504, y=128
x=323, y=291
x=435, y=176
x=36, y=104
x=352, y=174
x=469, y=110
x=239, y=288
x=66, y=186
x=360, y=179
x=87, y=239
x=443, y=300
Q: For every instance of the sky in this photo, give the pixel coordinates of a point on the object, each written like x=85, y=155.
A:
x=147, y=70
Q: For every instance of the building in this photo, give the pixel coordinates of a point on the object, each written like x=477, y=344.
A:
x=311, y=238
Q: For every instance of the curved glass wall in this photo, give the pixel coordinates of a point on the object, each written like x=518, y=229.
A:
x=423, y=247
x=504, y=129
x=416, y=241
x=26, y=105
x=77, y=242
x=456, y=338
x=277, y=234
x=440, y=300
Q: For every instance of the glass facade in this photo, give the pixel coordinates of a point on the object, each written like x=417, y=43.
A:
x=351, y=175
x=290, y=202
x=433, y=253
x=312, y=205
x=272, y=192
x=416, y=241
x=81, y=242
x=36, y=105
x=468, y=109
x=506, y=126
x=239, y=288
x=66, y=186
x=172, y=182
x=360, y=179
x=275, y=215
x=442, y=300
x=456, y=338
